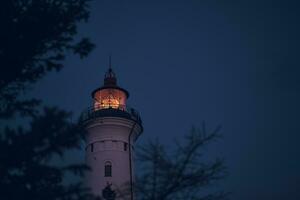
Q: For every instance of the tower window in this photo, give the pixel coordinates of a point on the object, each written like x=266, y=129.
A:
x=92, y=147
x=107, y=169
x=125, y=146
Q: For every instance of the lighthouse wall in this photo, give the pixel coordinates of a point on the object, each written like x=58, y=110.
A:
x=107, y=141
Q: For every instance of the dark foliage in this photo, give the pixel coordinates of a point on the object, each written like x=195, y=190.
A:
x=35, y=37
x=108, y=193
x=25, y=169
x=182, y=174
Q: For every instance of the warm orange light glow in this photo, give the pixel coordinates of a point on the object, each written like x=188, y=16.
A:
x=110, y=102
x=110, y=98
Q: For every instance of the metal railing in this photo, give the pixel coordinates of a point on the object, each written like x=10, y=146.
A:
x=119, y=111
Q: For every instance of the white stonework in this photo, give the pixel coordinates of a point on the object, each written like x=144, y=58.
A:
x=106, y=139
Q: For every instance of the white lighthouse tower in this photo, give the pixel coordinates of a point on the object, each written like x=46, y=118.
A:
x=111, y=131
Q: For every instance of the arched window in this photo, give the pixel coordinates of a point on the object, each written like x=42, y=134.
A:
x=107, y=169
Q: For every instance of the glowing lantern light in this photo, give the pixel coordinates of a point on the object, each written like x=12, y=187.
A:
x=110, y=102
x=110, y=95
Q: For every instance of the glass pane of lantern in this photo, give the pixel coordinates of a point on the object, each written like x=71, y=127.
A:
x=110, y=102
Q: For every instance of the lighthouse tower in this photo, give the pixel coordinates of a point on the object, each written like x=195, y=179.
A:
x=111, y=131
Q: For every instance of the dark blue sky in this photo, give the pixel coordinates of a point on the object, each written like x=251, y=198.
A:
x=233, y=63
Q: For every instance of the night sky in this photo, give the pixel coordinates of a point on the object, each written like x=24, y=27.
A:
x=234, y=64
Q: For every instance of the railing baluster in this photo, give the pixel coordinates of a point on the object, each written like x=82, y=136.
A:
x=92, y=113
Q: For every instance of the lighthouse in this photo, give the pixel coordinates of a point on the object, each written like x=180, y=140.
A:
x=111, y=129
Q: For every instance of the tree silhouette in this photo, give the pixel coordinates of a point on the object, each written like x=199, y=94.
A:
x=108, y=193
x=26, y=167
x=35, y=38
x=182, y=174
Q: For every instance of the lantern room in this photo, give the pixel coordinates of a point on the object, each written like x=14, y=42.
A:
x=110, y=95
